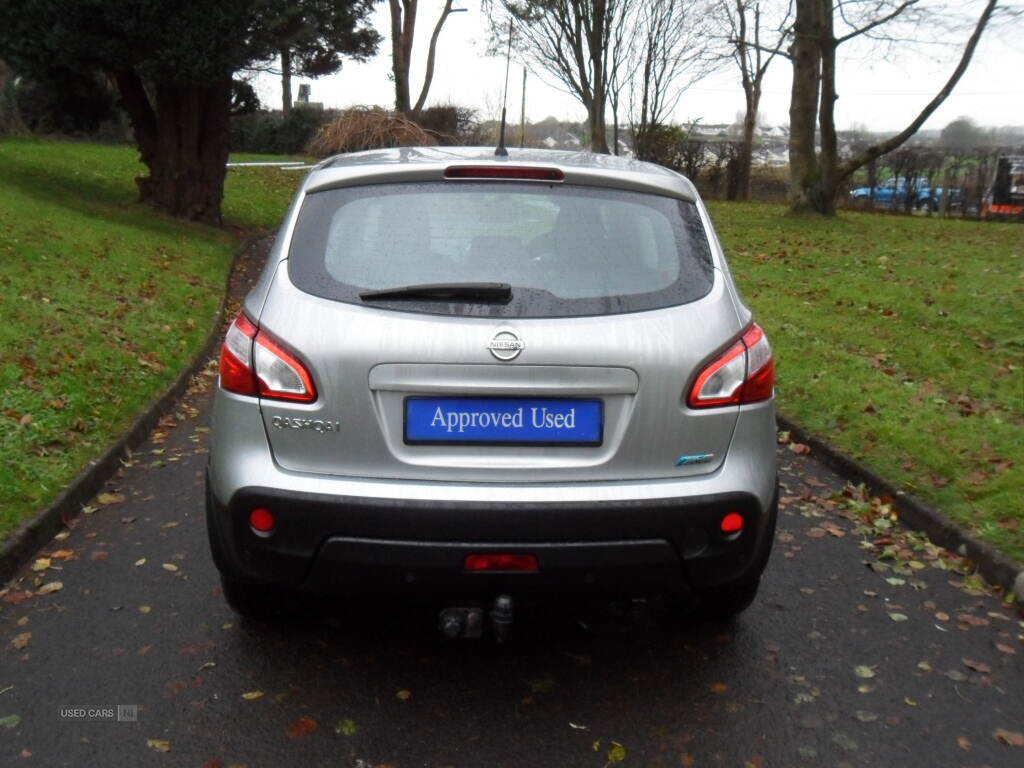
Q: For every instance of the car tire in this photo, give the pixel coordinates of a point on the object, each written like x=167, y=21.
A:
x=928, y=206
x=261, y=602
x=723, y=603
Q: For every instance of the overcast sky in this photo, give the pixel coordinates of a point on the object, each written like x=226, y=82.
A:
x=873, y=93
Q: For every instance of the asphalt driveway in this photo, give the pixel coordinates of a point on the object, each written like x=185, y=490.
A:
x=866, y=647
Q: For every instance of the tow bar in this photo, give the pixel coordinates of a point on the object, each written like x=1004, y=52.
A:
x=468, y=620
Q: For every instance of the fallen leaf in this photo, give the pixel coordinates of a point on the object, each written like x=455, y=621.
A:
x=159, y=745
x=169, y=567
x=10, y=721
x=1009, y=738
x=1006, y=648
x=145, y=609
x=977, y=666
x=404, y=695
x=63, y=554
x=346, y=727
x=898, y=616
x=578, y=727
x=252, y=695
x=47, y=589
x=140, y=561
x=942, y=616
x=964, y=743
x=864, y=672
x=616, y=754
x=718, y=687
x=41, y=564
x=799, y=448
x=22, y=640
x=105, y=499
x=302, y=727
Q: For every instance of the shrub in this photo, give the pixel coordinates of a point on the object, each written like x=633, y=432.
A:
x=361, y=128
x=275, y=133
x=450, y=123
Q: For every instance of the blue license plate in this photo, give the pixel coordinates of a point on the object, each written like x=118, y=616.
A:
x=503, y=421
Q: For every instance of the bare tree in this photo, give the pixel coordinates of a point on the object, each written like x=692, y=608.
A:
x=403, y=33
x=669, y=51
x=815, y=178
x=756, y=33
x=575, y=41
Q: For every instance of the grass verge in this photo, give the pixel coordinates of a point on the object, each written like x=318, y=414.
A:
x=103, y=302
x=900, y=342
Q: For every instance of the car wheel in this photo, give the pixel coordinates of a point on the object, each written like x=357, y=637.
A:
x=722, y=603
x=928, y=206
x=262, y=602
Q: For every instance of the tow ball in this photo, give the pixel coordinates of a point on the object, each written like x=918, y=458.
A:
x=468, y=620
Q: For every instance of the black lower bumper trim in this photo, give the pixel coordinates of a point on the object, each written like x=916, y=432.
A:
x=335, y=542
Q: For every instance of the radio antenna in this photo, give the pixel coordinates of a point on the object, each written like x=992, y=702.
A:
x=501, y=151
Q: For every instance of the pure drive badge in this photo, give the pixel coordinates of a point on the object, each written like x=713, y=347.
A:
x=696, y=458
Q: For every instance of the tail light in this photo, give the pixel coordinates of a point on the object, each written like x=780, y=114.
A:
x=744, y=373
x=253, y=363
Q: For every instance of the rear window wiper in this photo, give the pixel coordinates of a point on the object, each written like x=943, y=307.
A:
x=486, y=292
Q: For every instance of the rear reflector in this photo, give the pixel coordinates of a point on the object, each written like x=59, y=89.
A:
x=732, y=523
x=501, y=562
x=262, y=519
x=503, y=172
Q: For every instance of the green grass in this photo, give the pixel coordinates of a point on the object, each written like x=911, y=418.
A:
x=900, y=340
x=103, y=302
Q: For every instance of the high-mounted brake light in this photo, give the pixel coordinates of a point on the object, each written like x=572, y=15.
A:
x=744, y=373
x=501, y=561
x=253, y=363
x=527, y=173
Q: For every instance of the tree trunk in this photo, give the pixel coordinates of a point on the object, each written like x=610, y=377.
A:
x=184, y=142
x=428, y=76
x=828, y=158
x=746, y=152
x=804, y=172
x=598, y=136
x=286, y=80
x=403, y=28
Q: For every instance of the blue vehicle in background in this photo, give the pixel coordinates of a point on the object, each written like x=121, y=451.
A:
x=894, y=193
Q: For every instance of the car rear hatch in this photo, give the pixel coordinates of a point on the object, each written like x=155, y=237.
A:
x=558, y=338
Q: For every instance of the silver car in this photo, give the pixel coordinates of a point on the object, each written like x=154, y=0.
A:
x=491, y=377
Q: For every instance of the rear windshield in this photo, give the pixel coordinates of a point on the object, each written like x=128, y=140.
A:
x=565, y=250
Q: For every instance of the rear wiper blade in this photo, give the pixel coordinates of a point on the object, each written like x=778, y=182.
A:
x=496, y=292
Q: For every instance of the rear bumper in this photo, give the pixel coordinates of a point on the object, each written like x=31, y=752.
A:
x=366, y=544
